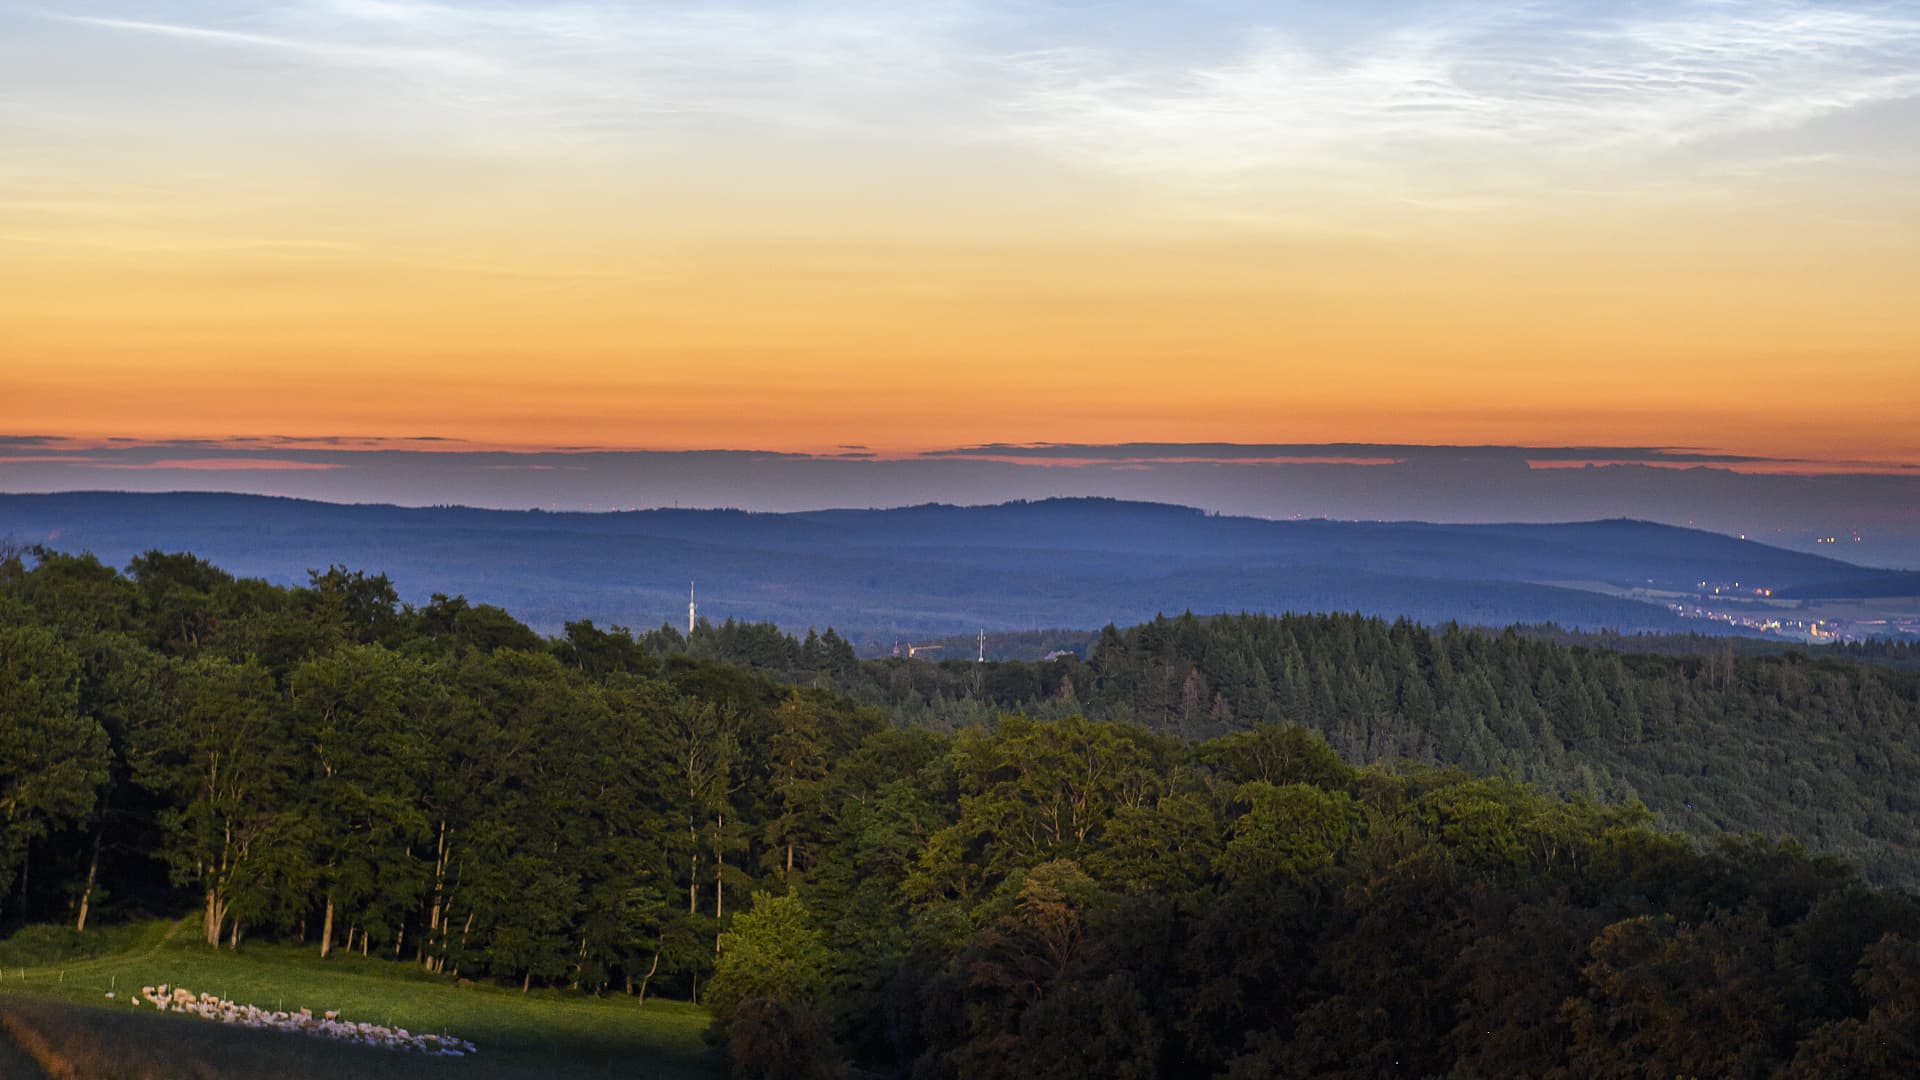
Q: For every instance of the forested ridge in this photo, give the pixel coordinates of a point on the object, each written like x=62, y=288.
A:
x=933, y=570
x=1712, y=742
x=880, y=867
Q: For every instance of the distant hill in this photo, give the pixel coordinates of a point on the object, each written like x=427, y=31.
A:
x=1875, y=584
x=936, y=569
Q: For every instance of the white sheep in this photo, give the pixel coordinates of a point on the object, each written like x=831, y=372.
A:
x=218, y=1009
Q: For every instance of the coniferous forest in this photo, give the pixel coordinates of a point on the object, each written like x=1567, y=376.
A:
x=1711, y=743
x=1239, y=846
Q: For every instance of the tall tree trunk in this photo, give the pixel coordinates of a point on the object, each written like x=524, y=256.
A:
x=439, y=888
x=719, y=868
x=210, y=923
x=326, y=929
x=86, y=894
x=648, y=977
x=693, y=873
x=233, y=943
x=526, y=981
x=463, y=941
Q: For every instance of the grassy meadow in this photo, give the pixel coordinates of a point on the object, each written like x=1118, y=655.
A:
x=55, y=1018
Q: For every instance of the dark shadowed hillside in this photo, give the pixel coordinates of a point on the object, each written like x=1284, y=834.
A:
x=936, y=569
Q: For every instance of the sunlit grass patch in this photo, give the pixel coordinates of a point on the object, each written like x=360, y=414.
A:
x=542, y=1033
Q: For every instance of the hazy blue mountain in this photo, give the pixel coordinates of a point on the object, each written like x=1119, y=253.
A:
x=935, y=569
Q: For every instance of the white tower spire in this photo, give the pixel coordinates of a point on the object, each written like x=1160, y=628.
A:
x=690, y=610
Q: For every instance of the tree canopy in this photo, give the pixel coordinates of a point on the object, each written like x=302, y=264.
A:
x=1238, y=847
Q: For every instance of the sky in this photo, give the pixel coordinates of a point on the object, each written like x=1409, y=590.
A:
x=907, y=228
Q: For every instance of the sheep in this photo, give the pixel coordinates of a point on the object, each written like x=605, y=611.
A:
x=213, y=1007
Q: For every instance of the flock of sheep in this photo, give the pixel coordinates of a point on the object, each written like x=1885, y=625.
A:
x=328, y=1025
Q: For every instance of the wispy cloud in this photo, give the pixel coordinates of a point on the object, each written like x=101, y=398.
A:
x=1346, y=453
x=547, y=76
x=329, y=451
x=1438, y=106
x=1495, y=98
x=227, y=465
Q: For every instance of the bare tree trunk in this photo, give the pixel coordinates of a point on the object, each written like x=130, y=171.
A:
x=233, y=943
x=210, y=924
x=439, y=889
x=326, y=929
x=648, y=977
x=463, y=941
x=526, y=981
x=719, y=868
x=86, y=894
x=693, y=878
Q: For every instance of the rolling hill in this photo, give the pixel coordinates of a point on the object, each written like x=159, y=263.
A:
x=938, y=569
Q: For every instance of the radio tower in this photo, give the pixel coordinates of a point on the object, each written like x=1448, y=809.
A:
x=690, y=610
x=983, y=647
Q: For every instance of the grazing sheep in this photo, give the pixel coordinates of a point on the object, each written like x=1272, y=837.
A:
x=212, y=1007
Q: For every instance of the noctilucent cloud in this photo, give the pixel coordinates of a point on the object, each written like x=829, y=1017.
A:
x=907, y=226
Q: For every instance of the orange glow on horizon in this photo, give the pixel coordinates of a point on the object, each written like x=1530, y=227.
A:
x=907, y=229
x=904, y=308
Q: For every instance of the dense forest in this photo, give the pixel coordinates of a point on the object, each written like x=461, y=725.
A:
x=1900, y=655
x=1164, y=867
x=1897, y=654
x=1711, y=741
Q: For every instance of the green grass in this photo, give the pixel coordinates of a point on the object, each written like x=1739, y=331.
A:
x=542, y=1033
x=44, y=944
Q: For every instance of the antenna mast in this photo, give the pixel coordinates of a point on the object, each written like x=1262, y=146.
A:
x=690, y=611
x=983, y=646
